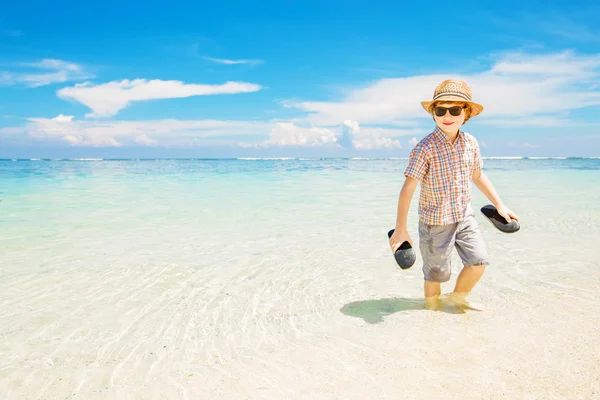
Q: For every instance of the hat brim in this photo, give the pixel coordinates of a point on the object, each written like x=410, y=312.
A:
x=476, y=108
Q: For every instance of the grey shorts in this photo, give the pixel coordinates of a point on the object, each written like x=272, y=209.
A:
x=436, y=243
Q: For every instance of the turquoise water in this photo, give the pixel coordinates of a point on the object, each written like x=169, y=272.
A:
x=265, y=276
x=44, y=199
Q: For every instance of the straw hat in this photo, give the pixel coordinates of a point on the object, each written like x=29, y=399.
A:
x=453, y=90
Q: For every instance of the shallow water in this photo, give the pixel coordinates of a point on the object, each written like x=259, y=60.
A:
x=274, y=278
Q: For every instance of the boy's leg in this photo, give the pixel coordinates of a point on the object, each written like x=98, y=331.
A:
x=433, y=290
x=436, y=244
x=472, y=250
x=468, y=278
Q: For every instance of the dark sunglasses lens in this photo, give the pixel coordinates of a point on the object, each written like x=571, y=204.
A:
x=441, y=111
x=455, y=111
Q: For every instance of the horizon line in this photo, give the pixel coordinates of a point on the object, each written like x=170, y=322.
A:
x=285, y=158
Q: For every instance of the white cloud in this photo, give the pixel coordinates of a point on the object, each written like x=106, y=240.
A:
x=177, y=133
x=517, y=85
x=350, y=129
x=91, y=141
x=232, y=62
x=518, y=90
x=369, y=138
x=58, y=71
x=123, y=133
x=330, y=113
x=144, y=139
x=541, y=121
x=288, y=134
x=108, y=99
x=347, y=135
x=523, y=145
x=63, y=118
x=6, y=78
x=558, y=65
x=386, y=132
x=376, y=143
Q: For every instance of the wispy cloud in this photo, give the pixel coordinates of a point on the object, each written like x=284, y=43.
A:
x=182, y=133
x=232, y=62
x=563, y=24
x=55, y=71
x=289, y=134
x=144, y=139
x=523, y=145
x=575, y=24
x=526, y=86
x=538, y=121
x=348, y=135
x=566, y=28
x=108, y=99
x=517, y=89
x=166, y=132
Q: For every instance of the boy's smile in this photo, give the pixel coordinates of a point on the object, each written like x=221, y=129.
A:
x=448, y=122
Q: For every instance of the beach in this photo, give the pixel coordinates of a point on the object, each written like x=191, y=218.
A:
x=273, y=279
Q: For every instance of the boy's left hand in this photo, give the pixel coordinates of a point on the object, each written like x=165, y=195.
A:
x=507, y=213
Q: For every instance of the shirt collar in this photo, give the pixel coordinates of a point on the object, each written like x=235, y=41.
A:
x=441, y=136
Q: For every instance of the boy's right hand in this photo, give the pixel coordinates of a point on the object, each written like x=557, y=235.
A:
x=399, y=237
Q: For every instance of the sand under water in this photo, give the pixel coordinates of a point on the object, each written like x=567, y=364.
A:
x=274, y=279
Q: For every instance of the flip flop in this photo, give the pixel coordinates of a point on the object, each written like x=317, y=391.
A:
x=405, y=255
x=490, y=212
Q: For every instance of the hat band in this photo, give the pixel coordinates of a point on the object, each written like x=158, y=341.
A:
x=464, y=96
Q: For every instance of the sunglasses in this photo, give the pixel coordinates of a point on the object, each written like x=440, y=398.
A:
x=455, y=111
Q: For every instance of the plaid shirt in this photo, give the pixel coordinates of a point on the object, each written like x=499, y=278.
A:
x=445, y=171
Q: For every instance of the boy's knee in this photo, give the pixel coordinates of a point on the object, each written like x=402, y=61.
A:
x=437, y=273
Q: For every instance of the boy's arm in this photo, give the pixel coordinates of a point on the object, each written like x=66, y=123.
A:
x=417, y=168
x=404, y=199
x=483, y=183
x=485, y=186
x=400, y=231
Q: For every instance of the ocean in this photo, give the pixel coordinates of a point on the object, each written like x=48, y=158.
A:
x=273, y=278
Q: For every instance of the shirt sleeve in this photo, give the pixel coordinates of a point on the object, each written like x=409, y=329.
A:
x=418, y=164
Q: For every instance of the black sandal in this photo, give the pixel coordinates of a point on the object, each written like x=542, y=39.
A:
x=405, y=255
x=490, y=212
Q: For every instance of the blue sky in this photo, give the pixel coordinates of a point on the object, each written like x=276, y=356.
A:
x=293, y=78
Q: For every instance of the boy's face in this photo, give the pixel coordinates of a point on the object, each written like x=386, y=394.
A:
x=449, y=123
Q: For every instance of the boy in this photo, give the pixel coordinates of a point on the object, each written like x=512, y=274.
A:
x=445, y=162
